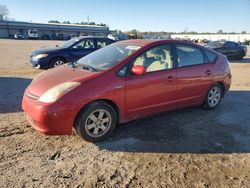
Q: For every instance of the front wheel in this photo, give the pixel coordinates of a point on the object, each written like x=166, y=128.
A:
x=213, y=97
x=96, y=122
x=57, y=62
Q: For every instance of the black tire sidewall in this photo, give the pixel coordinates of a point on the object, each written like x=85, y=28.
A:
x=80, y=124
x=52, y=63
x=206, y=104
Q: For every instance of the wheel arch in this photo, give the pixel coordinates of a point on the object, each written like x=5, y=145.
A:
x=108, y=101
x=222, y=87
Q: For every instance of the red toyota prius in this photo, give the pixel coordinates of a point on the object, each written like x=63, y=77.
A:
x=125, y=81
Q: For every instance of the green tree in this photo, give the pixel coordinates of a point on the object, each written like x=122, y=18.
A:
x=53, y=21
x=66, y=22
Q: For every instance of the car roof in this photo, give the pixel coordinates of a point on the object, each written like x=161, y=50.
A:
x=146, y=42
x=85, y=37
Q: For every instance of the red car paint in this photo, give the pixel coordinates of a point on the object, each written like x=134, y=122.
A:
x=132, y=96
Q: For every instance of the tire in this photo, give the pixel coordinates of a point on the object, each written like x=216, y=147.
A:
x=213, y=97
x=57, y=62
x=240, y=56
x=96, y=122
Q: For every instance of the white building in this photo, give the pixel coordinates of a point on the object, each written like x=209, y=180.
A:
x=213, y=37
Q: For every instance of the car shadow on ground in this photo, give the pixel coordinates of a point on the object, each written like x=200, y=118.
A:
x=192, y=130
x=244, y=60
x=11, y=93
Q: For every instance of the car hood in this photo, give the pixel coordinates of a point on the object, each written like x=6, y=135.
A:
x=53, y=77
x=46, y=50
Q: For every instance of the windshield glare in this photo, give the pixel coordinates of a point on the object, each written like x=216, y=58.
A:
x=107, y=57
x=215, y=44
x=68, y=43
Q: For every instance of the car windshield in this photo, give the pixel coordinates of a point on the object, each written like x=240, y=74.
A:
x=68, y=43
x=107, y=57
x=215, y=44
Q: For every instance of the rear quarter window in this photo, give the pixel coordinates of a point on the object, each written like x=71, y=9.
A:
x=210, y=56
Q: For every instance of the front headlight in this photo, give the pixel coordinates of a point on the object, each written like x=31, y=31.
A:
x=58, y=91
x=39, y=56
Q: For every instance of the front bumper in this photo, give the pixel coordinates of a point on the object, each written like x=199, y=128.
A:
x=42, y=63
x=50, y=119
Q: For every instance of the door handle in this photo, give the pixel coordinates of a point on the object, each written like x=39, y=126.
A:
x=208, y=72
x=170, y=78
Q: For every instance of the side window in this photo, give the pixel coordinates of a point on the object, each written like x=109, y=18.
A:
x=188, y=55
x=85, y=44
x=156, y=59
x=229, y=45
x=102, y=43
x=210, y=56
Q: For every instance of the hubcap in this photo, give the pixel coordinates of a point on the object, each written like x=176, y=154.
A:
x=214, y=96
x=58, y=63
x=98, y=123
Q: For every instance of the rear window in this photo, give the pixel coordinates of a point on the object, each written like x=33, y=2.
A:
x=210, y=56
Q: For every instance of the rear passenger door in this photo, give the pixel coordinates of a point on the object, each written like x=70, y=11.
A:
x=194, y=75
x=229, y=47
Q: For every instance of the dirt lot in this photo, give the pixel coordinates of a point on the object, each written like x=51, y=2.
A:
x=185, y=148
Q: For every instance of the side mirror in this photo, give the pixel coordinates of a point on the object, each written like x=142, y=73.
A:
x=138, y=70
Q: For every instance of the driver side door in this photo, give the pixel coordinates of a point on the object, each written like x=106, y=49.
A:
x=154, y=91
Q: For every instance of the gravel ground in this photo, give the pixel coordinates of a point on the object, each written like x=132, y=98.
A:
x=185, y=148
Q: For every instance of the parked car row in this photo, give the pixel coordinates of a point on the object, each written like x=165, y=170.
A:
x=76, y=48
x=32, y=34
x=120, y=82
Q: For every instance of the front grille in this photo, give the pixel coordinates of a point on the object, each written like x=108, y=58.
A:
x=32, y=96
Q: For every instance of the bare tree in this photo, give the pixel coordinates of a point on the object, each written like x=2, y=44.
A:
x=3, y=12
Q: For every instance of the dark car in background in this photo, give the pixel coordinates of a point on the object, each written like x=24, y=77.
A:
x=69, y=51
x=228, y=48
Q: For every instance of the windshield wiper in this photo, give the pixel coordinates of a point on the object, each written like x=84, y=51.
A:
x=72, y=64
x=83, y=66
x=89, y=67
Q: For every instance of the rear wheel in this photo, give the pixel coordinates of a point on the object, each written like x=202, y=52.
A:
x=96, y=122
x=213, y=97
x=57, y=62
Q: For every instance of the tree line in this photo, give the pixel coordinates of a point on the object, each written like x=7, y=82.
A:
x=78, y=23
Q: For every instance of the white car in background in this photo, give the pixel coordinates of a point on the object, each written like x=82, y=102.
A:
x=113, y=37
x=32, y=34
